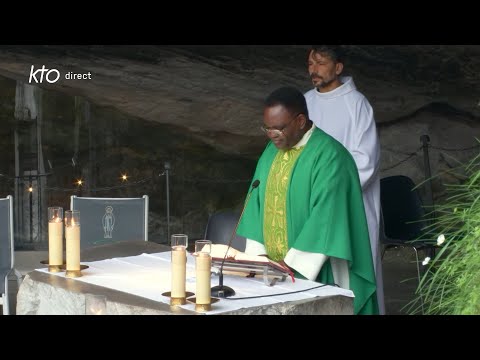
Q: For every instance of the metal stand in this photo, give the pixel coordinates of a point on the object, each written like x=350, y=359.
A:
x=167, y=169
x=425, y=139
x=270, y=274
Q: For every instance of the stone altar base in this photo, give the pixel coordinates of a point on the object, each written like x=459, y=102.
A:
x=45, y=294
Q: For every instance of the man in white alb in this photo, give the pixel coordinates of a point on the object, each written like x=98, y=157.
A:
x=338, y=108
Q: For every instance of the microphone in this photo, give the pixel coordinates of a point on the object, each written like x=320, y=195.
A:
x=225, y=291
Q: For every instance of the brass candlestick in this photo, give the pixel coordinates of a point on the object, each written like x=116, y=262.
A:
x=203, y=307
x=74, y=273
x=53, y=268
x=175, y=301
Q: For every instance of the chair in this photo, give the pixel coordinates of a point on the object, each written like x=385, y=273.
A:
x=6, y=248
x=220, y=227
x=402, y=217
x=109, y=220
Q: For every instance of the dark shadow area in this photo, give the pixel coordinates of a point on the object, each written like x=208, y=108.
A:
x=113, y=155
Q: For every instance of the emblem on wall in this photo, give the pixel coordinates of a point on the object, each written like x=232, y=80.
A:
x=108, y=222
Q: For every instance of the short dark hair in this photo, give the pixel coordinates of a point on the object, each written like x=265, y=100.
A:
x=290, y=98
x=334, y=52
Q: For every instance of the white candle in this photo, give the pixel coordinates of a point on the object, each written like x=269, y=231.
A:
x=55, y=241
x=203, y=265
x=179, y=267
x=72, y=243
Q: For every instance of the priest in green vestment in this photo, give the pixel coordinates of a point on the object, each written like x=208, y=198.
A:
x=307, y=213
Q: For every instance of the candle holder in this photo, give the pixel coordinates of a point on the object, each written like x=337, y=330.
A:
x=55, y=238
x=73, y=273
x=178, y=301
x=203, y=266
x=203, y=246
x=202, y=307
x=179, y=244
x=72, y=243
x=179, y=240
x=53, y=268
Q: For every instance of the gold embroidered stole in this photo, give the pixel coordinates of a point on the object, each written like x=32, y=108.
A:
x=275, y=216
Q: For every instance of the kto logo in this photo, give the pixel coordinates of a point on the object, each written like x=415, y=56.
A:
x=51, y=75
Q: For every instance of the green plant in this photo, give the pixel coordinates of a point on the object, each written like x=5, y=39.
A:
x=451, y=282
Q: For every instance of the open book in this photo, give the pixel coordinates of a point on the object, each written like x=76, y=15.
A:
x=235, y=256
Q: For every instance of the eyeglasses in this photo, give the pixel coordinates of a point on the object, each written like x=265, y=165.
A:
x=277, y=132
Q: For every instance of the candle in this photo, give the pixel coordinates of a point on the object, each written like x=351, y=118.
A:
x=72, y=239
x=55, y=236
x=179, y=265
x=203, y=265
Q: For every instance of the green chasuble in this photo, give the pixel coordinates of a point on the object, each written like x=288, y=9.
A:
x=324, y=213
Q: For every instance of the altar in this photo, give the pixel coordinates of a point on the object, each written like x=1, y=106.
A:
x=133, y=277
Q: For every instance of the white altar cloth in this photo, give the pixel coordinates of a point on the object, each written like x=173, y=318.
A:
x=148, y=276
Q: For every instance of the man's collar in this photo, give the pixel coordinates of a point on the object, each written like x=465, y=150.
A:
x=303, y=141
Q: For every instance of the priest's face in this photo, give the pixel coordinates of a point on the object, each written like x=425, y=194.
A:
x=324, y=71
x=282, y=127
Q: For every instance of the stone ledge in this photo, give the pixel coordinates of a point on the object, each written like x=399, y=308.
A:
x=45, y=294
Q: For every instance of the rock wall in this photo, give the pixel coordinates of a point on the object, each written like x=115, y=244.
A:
x=200, y=108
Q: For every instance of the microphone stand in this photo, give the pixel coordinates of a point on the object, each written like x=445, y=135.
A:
x=221, y=290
